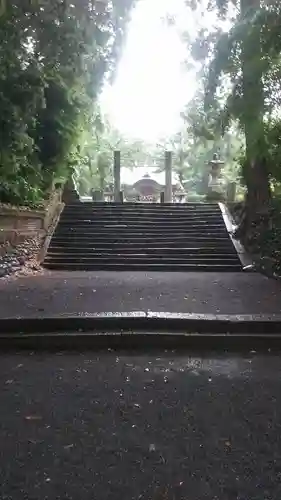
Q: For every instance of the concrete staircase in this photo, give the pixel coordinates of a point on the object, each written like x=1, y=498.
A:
x=158, y=237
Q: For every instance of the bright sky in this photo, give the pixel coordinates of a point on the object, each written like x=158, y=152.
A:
x=152, y=83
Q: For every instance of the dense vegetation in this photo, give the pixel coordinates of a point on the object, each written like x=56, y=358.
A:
x=94, y=171
x=242, y=70
x=54, y=56
x=248, y=57
x=191, y=153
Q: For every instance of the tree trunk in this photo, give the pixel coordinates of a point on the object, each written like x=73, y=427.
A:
x=255, y=169
x=102, y=185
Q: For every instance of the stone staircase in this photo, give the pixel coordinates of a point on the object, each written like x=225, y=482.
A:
x=164, y=237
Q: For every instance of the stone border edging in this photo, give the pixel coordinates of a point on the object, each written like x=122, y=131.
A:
x=243, y=255
x=48, y=236
x=139, y=321
x=142, y=341
x=249, y=324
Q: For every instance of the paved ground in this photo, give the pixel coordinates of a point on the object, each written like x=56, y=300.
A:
x=78, y=292
x=130, y=427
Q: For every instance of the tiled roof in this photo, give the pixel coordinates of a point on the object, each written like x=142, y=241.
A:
x=130, y=176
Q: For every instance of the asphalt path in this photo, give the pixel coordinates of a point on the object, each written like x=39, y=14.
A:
x=159, y=426
x=90, y=292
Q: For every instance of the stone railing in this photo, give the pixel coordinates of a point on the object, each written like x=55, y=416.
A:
x=20, y=223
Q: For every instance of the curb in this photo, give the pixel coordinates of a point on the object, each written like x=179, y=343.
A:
x=48, y=236
x=243, y=255
x=142, y=330
x=142, y=341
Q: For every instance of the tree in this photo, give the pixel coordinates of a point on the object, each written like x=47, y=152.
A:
x=54, y=56
x=95, y=169
x=247, y=57
x=199, y=138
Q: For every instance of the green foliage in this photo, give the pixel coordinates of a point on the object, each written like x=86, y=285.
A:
x=273, y=137
x=54, y=56
x=95, y=168
x=200, y=138
x=242, y=85
x=248, y=55
x=246, y=62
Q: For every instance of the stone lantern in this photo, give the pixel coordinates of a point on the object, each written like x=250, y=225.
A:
x=215, y=184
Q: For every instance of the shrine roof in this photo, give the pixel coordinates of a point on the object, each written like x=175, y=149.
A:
x=130, y=176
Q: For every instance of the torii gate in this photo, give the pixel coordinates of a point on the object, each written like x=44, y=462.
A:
x=168, y=195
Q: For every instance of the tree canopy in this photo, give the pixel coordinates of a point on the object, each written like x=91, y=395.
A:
x=54, y=56
x=240, y=66
x=94, y=171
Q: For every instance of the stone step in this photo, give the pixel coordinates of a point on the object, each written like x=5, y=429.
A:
x=138, y=205
x=147, y=231
x=131, y=211
x=208, y=251
x=144, y=206
x=132, y=249
x=141, y=258
x=141, y=227
x=104, y=231
x=117, y=243
x=142, y=237
x=181, y=245
x=135, y=214
x=172, y=218
x=142, y=240
x=142, y=233
x=143, y=224
x=140, y=217
x=163, y=267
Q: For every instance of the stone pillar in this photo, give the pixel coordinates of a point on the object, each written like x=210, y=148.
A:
x=69, y=194
x=231, y=192
x=168, y=177
x=117, y=172
x=97, y=195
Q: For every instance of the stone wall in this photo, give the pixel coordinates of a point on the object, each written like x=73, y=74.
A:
x=20, y=223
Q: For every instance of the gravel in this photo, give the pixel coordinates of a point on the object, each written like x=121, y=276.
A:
x=21, y=259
